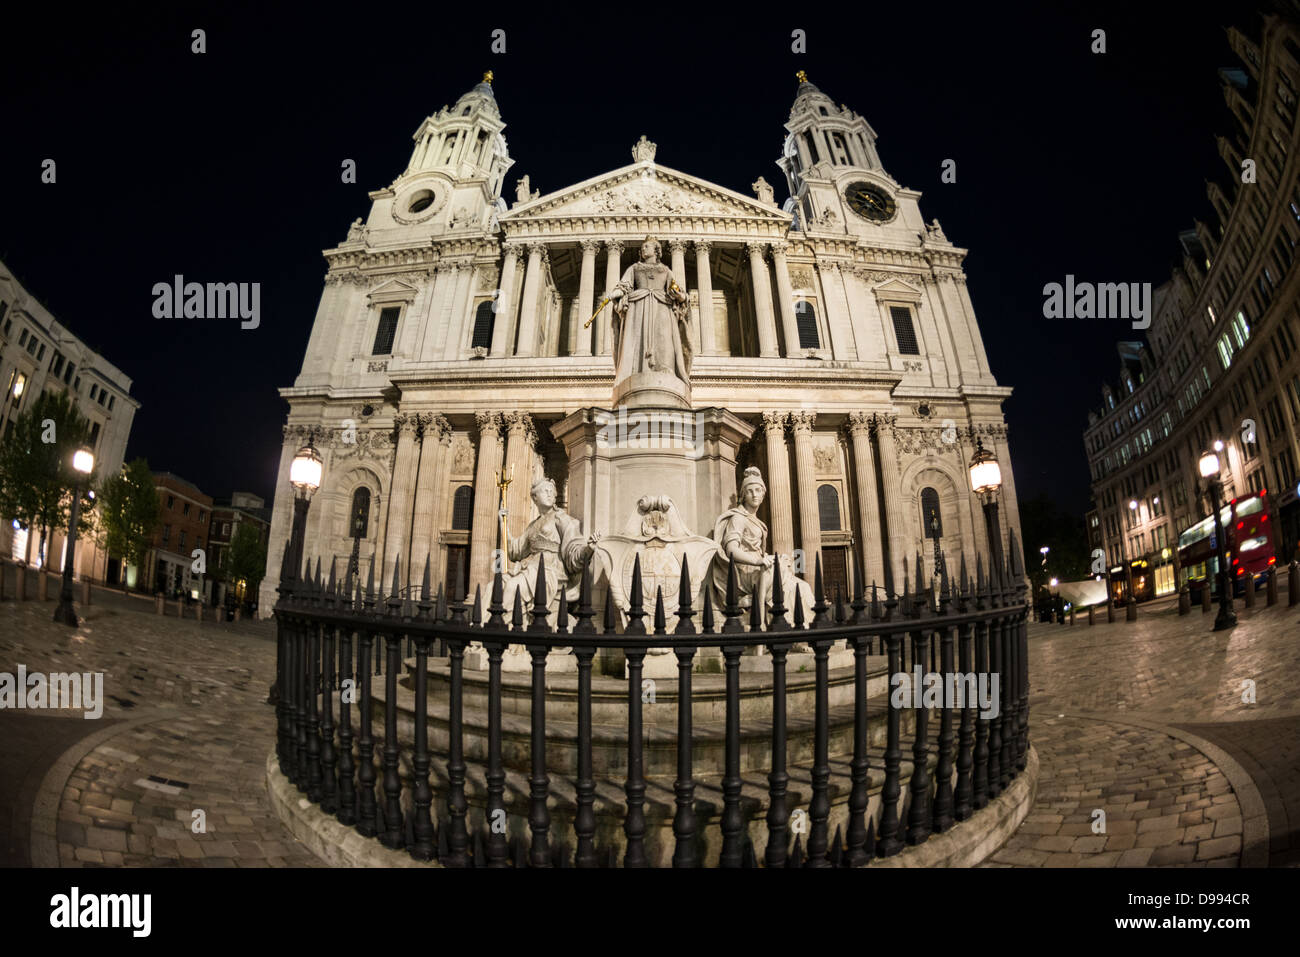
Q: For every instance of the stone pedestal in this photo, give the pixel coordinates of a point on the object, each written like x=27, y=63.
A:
x=616, y=456
x=648, y=390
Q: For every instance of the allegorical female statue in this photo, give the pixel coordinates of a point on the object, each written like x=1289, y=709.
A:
x=742, y=540
x=651, y=321
x=553, y=537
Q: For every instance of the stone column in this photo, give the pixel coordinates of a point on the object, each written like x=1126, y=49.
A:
x=605, y=341
x=400, y=496
x=678, y=249
x=520, y=439
x=864, y=473
x=704, y=284
x=457, y=335
x=435, y=445
x=810, y=528
x=483, y=530
x=586, y=294
x=785, y=300
x=504, y=322
x=528, y=308
x=778, y=483
x=897, y=522
x=762, y=300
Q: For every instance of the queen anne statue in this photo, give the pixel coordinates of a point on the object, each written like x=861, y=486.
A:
x=651, y=321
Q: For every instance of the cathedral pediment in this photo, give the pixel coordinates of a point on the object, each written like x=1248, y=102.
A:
x=896, y=289
x=644, y=190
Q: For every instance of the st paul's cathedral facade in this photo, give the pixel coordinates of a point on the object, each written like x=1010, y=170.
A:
x=827, y=342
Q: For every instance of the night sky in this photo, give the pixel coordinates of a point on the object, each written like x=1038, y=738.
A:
x=226, y=167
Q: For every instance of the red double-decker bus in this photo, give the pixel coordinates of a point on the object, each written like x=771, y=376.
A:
x=1250, y=543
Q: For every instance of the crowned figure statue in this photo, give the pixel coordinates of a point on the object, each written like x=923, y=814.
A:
x=742, y=540
x=554, y=538
x=651, y=323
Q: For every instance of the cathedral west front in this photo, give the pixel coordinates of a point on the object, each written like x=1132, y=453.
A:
x=467, y=347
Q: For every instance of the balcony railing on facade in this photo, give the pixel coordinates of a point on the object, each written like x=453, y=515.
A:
x=331, y=632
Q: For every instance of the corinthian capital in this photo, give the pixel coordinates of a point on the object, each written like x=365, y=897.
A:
x=802, y=421
x=703, y=247
x=614, y=246
x=590, y=246
x=406, y=424
x=775, y=421
x=488, y=422
x=859, y=423
x=677, y=246
x=756, y=249
x=519, y=422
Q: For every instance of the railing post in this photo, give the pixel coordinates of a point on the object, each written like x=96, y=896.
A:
x=888, y=842
x=422, y=848
x=684, y=853
x=498, y=849
x=347, y=788
x=732, y=822
x=539, y=817
x=820, y=807
x=943, y=797
x=962, y=794
x=980, y=793
x=918, y=813
x=367, y=824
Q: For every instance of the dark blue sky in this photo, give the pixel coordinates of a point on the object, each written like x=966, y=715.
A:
x=225, y=167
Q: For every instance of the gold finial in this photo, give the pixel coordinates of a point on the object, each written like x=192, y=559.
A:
x=487, y=77
x=801, y=76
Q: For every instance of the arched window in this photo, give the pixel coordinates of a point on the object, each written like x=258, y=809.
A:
x=462, y=508
x=930, y=514
x=483, y=317
x=359, y=522
x=828, y=508
x=806, y=320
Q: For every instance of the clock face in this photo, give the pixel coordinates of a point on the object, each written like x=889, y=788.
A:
x=870, y=202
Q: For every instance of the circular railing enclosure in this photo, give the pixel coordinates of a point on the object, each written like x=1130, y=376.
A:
x=952, y=635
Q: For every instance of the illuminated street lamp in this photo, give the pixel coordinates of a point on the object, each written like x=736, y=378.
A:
x=304, y=476
x=83, y=463
x=1209, y=464
x=985, y=480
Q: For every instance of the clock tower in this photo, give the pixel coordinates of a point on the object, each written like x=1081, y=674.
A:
x=836, y=181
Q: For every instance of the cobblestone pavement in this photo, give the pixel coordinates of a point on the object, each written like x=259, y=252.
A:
x=1145, y=722
x=185, y=729
x=1123, y=716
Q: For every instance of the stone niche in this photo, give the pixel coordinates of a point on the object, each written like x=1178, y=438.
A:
x=617, y=456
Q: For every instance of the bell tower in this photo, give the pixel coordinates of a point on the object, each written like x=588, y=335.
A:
x=828, y=147
x=457, y=166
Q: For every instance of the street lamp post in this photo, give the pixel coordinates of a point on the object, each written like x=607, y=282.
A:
x=985, y=480
x=83, y=463
x=1226, y=618
x=1131, y=607
x=304, y=476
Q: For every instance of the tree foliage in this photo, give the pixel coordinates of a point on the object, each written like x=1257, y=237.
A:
x=130, y=510
x=1043, y=522
x=36, y=473
x=245, y=558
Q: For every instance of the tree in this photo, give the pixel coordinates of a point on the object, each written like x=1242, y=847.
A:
x=1042, y=522
x=244, y=560
x=130, y=510
x=36, y=474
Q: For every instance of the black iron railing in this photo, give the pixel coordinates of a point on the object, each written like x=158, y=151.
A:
x=327, y=634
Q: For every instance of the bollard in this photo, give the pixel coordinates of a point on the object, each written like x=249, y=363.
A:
x=20, y=583
x=1184, y=600
x=1205, y=597
x=180, y=608
x=1250, y=590
x=198, y=611
x=1091, y=618
x=238, y=610
x=1292, y=586
x=3, y=563
x=158, y=599
x=1270, y=590
x=1131, y=610
x=1071, y=616
x=1110, y=612
x=42, y=585
x=85, y=593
